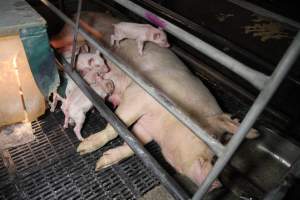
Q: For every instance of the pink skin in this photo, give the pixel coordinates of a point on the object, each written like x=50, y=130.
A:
x=85, y=63
x=149, y=120
x=77, y=104
x=139, y=32
x=184, y=151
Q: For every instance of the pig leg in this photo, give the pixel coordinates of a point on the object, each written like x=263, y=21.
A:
x=66, y=122
x=128, y=111
x=54, y=102
x=97, y=140
x=140, y=44
x=112, y=40
x=113, y=156
x=229, y=125
x=77, y=129
x=117, y=154
x=116, y=38
x=55, y=99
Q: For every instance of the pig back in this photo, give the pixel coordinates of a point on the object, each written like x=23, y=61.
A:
x=169, y=74
x=163, y=68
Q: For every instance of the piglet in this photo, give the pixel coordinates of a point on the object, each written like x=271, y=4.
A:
x=139, y=32
x=76, y=105
x=85, y=63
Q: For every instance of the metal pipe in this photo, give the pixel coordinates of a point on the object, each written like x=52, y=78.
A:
x=174, y=189
x=256, y=78
x=166, y=102
x=75, y=34
x=265, y=95
x=209, y=35
x=264, y=12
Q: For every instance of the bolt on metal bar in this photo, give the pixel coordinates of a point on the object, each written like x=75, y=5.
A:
x=254, y=77
x=76, y=34
x=166, y=102
x=171, y=185
x=261, y=101
x=264, y=12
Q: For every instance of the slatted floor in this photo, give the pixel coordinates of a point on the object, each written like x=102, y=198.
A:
x=50, y=168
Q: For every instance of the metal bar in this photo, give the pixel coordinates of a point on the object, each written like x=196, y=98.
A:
x=265, y=95
x=256, y=78
x=123, y=131
x=166, y=102
x=76, y=34
x=264, y=12
x=211, y=36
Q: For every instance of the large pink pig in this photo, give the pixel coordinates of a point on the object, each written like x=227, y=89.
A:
x=149, y=120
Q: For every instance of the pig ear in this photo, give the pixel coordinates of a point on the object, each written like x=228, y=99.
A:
x=156, y=36
x=84, y=49
x=91, y=61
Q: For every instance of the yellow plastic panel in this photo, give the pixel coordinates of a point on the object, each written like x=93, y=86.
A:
x=18, y=90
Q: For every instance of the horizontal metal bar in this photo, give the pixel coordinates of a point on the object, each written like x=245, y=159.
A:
x=261, y=101
x=264, y=12
x=174, y=189
x=256, y=78
x=216, y=38
x=166, y=102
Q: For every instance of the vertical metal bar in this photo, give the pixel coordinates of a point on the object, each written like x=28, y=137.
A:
x=256, y=78
x=76, y=34
x=166, y=102
x=174, y=189
x=265, y=95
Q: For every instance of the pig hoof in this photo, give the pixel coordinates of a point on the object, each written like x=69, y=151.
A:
x=106, y=160
x=253, y=133
x=102, y=164
x=216, y=184
x=89, y=145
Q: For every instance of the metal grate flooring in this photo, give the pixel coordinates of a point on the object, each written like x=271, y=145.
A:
x=50, y=168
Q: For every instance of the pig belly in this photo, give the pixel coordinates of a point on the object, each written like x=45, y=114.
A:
x=179, y=146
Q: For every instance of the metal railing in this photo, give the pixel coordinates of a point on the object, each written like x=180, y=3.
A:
x=264, y=12
x=256, y=78
x=268, y=85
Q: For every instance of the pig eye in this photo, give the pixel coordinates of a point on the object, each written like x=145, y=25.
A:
x=90, y=61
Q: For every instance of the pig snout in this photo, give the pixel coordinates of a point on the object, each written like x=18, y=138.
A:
x=160, y=38
x=97, y=61
x=164, y=45
x=108, y=86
